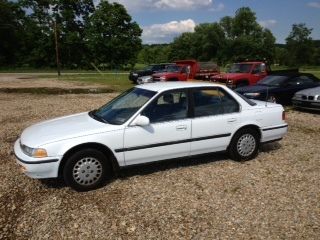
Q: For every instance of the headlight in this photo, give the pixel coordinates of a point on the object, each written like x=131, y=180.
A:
x=252, y=94
x=162, y=78
x=34, y=152
x=135, y=74
x=317, y=97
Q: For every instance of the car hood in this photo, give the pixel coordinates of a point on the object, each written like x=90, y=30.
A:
x=63, y=128
x=310, y=91
x=255, y=88
x=164, y=74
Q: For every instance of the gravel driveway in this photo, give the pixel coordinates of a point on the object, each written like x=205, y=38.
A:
x=275, y=196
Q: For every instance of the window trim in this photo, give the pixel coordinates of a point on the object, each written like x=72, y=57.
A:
x=157, y=96
x=192, y=105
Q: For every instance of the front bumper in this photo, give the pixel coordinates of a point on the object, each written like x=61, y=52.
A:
x=313, y=105
x=36, y=167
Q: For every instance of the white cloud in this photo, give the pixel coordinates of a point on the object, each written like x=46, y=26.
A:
x=162, y=33
x=268, y=23
x=218, y=8
x=137, y=5
x=314, y=4
x=182, y=4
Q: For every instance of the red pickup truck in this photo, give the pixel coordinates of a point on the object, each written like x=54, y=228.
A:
x=181, y=71
x=243, y=74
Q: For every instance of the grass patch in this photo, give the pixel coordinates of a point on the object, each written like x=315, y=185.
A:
x=114, y=81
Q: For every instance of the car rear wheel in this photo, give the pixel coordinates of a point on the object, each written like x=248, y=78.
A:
x=244, y=145
x=86, y=170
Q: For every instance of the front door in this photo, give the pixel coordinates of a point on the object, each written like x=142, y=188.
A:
x=168, y=134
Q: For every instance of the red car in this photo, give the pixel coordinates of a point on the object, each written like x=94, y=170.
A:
x=243, y=74
x=181, y=71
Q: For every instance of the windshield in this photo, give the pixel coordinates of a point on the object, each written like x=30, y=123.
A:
x=173, y=68
x=149, y=68
x=240, y=68
x=272, y=80
x=120, y=109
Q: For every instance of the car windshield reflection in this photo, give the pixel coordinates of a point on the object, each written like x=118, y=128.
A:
x=119, y=110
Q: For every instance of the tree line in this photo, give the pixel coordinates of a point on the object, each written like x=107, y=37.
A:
x=85, y=33
x=106, y=36
x=237, y=38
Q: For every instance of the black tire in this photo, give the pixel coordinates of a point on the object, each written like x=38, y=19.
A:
x=86, y=170
x=244, y=145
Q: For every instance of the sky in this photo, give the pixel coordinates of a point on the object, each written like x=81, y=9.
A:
x=163, y=20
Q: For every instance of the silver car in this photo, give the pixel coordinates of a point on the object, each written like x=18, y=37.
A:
x=307, y=99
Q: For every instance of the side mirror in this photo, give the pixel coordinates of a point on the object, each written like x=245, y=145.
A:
x=141, y=121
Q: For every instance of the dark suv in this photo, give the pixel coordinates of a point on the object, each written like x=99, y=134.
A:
x=149, y=70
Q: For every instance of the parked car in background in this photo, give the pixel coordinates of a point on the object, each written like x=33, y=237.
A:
x=148, y=123
x=181, y=71
x=144, y=79
x=148, y=71
x=279, y=88
x=243, y=74
x=307, y=99
x=207, y=70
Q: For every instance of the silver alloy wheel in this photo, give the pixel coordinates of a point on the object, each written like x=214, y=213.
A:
x=246, y=145
x=87, y=171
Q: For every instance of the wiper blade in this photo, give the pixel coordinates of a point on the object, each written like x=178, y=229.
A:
x=97, y=117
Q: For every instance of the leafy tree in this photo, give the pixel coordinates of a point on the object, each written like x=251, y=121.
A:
x=281, y=55
x=181, y=47
x=71, y=17
x=245, y=38
x=300, y=45
x=157, y=53
x=111, y=35
x=10, y=32
x=208, y=39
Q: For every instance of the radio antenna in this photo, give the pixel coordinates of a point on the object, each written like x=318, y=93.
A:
x=267, y=95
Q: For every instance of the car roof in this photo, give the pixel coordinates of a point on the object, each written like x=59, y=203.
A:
x=158, y=64
x=163, y=86
x=291, y=74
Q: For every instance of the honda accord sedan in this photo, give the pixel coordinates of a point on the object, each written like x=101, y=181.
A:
x=148, y=123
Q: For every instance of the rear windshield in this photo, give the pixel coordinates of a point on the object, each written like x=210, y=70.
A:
x=251, y=103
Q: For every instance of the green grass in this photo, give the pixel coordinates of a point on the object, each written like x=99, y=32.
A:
x=314, y=72
x=118, y=82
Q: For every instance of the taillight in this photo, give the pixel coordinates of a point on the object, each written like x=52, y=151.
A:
x=283, y=115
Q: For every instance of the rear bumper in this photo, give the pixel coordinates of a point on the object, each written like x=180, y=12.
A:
x=313, y=105
x=273, y=133
x=35, y=167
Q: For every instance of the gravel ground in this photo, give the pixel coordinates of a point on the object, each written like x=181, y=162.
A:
x=275, y=196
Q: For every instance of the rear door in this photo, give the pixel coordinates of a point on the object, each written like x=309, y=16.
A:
x=216, y=115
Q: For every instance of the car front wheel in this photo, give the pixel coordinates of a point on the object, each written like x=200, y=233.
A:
x=244, y=145
x=86, y=170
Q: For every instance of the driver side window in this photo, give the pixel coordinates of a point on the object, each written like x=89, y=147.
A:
x=169, y=106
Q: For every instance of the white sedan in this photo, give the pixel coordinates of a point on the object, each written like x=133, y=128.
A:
x=148, y=123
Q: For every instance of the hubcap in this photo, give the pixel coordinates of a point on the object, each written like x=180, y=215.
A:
x=246, y=145
x=87, y=171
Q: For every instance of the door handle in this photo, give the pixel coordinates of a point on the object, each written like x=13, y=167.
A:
x=230, y=120
x=181, y=127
